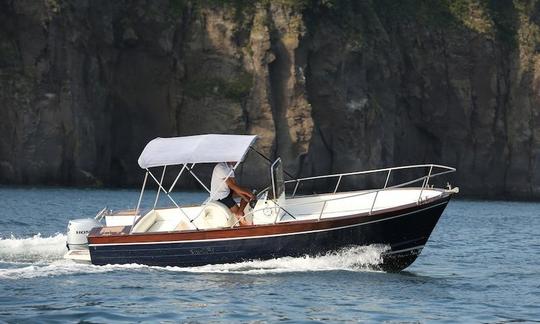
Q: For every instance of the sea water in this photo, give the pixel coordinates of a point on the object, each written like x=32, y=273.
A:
x=481, y=264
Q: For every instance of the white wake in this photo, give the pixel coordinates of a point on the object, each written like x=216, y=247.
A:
x=51, y=249
x=359, y=258
x=32, y=249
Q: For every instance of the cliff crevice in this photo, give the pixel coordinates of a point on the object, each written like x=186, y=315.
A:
x=330, y=86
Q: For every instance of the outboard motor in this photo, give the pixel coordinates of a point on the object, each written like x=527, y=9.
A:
x=77, y=232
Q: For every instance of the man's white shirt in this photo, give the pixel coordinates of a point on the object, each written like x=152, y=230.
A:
x=218, y=187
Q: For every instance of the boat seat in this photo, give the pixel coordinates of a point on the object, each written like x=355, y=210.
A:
x=159, y=220
x=183, y=225
x=215, y=215
x=145, y=222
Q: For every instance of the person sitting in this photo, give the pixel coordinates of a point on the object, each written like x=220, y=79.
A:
x=224, y=188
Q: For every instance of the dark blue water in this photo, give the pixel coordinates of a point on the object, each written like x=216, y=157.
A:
x=482, y=264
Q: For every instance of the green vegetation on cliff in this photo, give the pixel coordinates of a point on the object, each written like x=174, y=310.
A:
x=235, y=88
x=328, y=85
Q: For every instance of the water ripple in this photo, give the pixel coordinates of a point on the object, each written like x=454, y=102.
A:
x=480, y=265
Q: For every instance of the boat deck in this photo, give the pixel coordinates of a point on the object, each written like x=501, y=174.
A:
x=302, y=208
x=352, y=203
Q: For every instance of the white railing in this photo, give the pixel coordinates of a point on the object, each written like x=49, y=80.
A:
x=389, y=170
x=425, y=184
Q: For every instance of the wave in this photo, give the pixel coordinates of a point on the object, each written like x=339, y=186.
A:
x=362, y=258
x=358, y=258
x=32, y=249
x=62, y=268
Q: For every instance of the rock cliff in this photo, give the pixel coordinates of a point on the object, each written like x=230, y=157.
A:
x=330, y=86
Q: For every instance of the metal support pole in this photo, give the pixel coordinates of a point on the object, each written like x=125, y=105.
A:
x=177, y=177
x=276, y=208
x=197, y=178
x=322, y=210
x=272, y=178
x=295, y=188
x=160, y=186
x=337, y=185
x=141, y=195
x=429, y=175
x=387, y=178
x=424, y=184
x=173, y=201
x=374, y=200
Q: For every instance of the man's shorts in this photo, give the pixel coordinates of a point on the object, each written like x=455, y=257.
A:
x=228, y=201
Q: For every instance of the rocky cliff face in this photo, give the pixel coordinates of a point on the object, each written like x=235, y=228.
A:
x=330, y=86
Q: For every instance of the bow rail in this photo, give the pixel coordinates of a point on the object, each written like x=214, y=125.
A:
x=340, y=176
x=439, y=170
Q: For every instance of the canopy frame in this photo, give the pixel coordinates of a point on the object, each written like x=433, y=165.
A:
x=167, y=192
x=187, y=166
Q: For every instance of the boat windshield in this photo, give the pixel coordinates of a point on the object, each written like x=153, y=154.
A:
x=278, y=183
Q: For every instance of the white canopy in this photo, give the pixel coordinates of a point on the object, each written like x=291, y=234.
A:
x=211, y=148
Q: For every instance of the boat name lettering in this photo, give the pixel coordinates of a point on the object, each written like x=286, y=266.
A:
x=197, y=251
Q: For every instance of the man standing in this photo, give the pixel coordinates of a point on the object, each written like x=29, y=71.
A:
x=224, y=188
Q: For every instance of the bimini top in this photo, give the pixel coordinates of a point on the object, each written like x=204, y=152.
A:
x=211, y=148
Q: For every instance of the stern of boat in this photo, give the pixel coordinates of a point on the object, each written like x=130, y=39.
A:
x=78, y=230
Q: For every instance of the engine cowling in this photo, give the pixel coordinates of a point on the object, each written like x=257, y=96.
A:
x=77, y=232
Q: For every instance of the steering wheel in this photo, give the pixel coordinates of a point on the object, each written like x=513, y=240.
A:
x=258, y=196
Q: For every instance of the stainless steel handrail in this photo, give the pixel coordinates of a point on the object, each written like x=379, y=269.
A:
x=389, y=170
x=99, y=216
x=297, y=181
x=374, y=171
x=340, y=175
x=376, y=190
x=424, y=179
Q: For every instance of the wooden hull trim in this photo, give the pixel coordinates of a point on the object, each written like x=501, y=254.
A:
x=271, y=235
x=123, y=236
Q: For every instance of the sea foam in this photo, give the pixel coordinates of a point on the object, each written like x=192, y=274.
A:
x=362, y=258
x=358, y=258
x=62, y=268
x=32, y=249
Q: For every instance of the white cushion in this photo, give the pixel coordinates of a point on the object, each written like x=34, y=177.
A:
x=145, y=222
x=215, y=215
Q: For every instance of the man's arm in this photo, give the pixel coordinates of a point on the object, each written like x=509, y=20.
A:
x=244, y=193
x=246, y=196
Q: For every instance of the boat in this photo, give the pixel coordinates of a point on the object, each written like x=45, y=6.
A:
x=286, y=220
